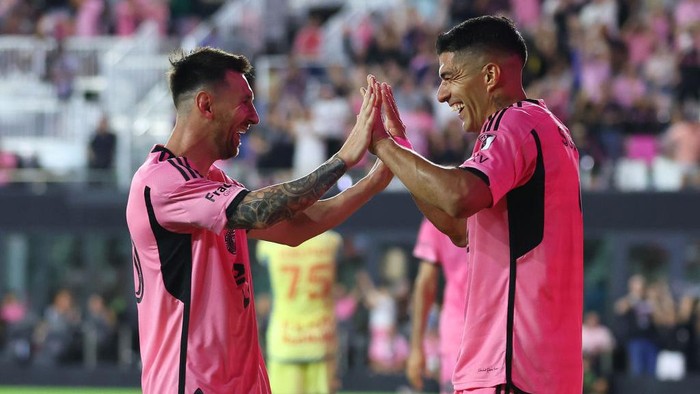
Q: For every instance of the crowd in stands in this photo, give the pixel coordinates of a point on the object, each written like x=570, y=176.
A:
x=89, y=18
x=624, y=75
x=66, y=332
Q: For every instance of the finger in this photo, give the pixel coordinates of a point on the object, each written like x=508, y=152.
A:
x=367, y=100
x=393, y=100
x=376, y=88
x=363, y=91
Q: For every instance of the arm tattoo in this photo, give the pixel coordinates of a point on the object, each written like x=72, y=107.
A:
x=267, y=206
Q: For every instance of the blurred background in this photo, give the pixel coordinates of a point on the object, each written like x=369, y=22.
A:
x=84, y=98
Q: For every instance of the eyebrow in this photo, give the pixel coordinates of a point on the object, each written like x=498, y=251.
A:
x=445, y=74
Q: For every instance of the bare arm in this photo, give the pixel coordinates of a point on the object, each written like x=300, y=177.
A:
x=328, y=213
x=268, y=206
x=454, y=191
x=423, y=298
x=454, y=228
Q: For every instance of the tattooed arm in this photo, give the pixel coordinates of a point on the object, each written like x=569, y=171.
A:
x=328, y=213
x=268, y=206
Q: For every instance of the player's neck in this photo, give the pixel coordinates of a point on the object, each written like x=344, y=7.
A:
x=186, y=142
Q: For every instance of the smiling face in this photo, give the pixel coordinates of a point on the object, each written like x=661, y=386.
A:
x=463, y=88
x=233, y=104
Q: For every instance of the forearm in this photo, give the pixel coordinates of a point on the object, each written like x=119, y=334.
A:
x=436, y=185
x=328, y=213
x=267, y=206
x=454, y=228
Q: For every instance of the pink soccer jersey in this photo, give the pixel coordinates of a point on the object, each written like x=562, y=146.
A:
x=434, y=246
x=525, y=264
x=197, y=325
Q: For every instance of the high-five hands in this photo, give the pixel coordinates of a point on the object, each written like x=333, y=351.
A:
x=360, y=136
x=391, y=125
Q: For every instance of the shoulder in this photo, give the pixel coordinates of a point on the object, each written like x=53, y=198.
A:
x=165, y=176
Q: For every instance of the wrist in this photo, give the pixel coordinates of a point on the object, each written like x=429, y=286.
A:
x=402, y=141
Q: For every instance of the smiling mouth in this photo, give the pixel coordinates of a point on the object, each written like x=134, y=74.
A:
x=457, y=108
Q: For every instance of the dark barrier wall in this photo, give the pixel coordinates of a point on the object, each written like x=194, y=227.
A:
x=86, y=209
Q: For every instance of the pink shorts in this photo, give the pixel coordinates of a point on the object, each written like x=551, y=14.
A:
x=487, y=390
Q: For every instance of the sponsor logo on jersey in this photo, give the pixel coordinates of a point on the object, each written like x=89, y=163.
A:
x=223, y=190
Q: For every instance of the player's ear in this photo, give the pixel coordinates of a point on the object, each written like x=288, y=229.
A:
x=203, y=101
x=492, y=75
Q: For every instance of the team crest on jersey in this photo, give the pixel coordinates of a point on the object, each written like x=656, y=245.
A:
x=231, y=241
x=486, y=140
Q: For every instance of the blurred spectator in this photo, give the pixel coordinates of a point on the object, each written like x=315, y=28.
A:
x=681, y=142
x=101, y=152
x=388, y=348
x=670, y=362
x=598, y=343
x=329, y=116
x=450, y=146
x=273, y=143
x=688, y=87
x=57, y=336
x=689, y=330
x=9, y=162
x=61, y=68
x=639, y=332
x=100, y=324
x=15, y=326
x=89, y=20
x=308, y=41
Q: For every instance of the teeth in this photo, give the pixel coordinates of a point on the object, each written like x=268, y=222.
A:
x=457, y=107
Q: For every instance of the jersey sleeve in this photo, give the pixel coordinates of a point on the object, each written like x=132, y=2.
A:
x=199, y=202
x=426, y=247
x=505, y=158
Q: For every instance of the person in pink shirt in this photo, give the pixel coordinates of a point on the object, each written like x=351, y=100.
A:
x=519, y=196
x=436, y=251
x=189, y=224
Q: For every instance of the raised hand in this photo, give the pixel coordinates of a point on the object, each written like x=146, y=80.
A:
x=360, y=136
x=392, y=120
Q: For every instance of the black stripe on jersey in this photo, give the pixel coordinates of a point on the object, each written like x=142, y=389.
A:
x=165, y=153
x=526, y=209
x=491, y=118
x=189, y=166
x=500, y=116
x=486, y=123
x=175, y=252
x=526, y=231
x=138, y=288
x=231, y=208
x=532, y=101
x=183, y=162
x=177, y=167
x=478, y=173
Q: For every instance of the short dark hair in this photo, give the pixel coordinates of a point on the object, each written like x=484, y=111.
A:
x=486, y=33
x=202, y=66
